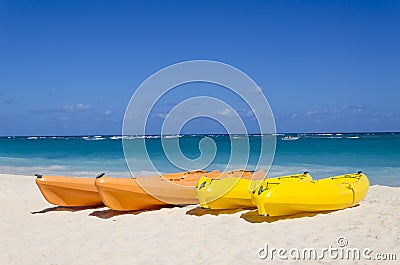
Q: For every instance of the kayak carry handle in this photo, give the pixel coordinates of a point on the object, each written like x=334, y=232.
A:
x=100, y=175
x=38, y=176
x=195, y=171
x=260, y=190
x=359, y=172
x=202, y=185
x=241, y=170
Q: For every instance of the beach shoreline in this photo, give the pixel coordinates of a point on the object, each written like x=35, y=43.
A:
x=35, y=232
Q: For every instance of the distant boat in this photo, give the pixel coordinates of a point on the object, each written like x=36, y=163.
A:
x=290, y=138
x=353, y=137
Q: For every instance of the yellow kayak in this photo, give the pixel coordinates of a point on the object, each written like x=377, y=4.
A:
x=69, y=191
x=229, y=191
x=334, y=193
x=233, y=193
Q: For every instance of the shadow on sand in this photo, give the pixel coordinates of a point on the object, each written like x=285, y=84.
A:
x=108, y=213
x=254, y=217
x=67, y=209
x=198, y=211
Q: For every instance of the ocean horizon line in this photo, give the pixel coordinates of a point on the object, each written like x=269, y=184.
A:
x=201, y=134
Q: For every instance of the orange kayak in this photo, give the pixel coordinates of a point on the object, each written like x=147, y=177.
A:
x=129, y=194
x=69, y=191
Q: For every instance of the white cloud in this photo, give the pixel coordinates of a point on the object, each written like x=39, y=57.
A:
x=316, y=112
x=294, y=116
x=225, y=112
x=77, y=107
x=161, y=115
x=311, y=112
x=354, y=108
x=108, y=112
x=388, y=115
x=249, y=113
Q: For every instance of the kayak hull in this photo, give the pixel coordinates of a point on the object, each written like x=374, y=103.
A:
x=125, y=195
x=328, y=194
x=131, y=194
x=69, y=191
x=228, y=193
x=234, y=192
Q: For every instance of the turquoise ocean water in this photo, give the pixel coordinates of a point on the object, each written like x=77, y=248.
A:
x=376, y=154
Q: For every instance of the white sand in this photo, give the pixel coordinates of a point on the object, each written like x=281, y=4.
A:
x=171, y=236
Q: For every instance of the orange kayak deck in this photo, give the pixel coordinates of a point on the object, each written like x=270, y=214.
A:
x=69, y=191
x=129, y=194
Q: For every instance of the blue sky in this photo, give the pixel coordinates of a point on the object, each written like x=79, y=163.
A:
x=70, y=67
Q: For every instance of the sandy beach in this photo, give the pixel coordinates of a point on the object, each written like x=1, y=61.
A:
x=35, y=232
